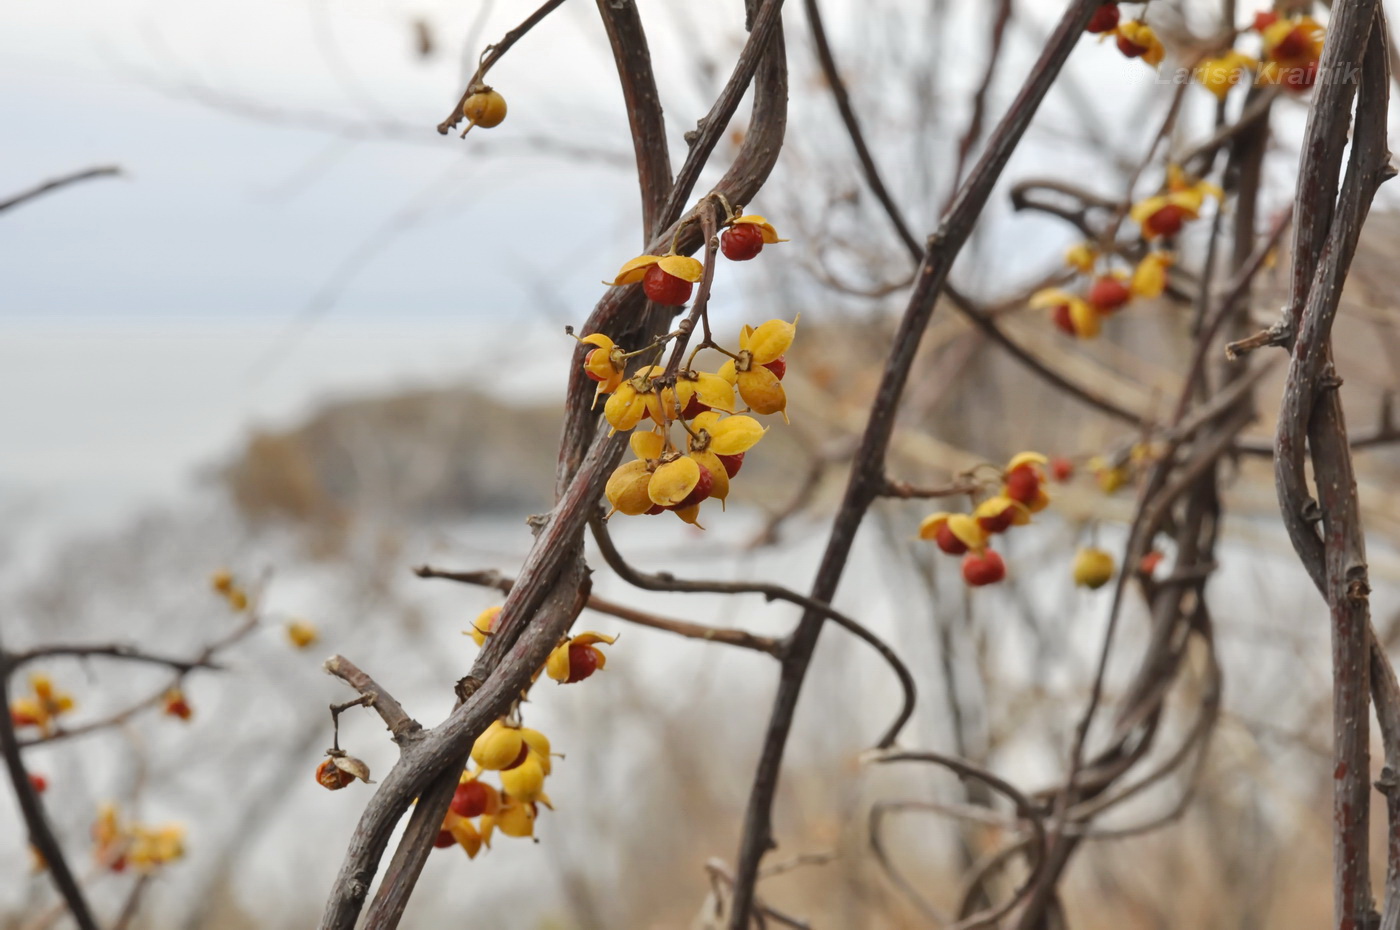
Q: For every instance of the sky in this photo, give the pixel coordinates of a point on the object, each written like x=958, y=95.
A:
x=290, y=227
x=250, y=187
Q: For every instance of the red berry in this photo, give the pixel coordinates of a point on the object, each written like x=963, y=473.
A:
x=39, y=783
x=948, y=541
x=1293, y=45
x=998, y=523
x=741, y=242
x=588, y=371
x=1300, y=79
x=778, y=366
x=1108, y=294
x=666, y=288
x=1167, y=221
x=983, y=569
x=444, y=839
x=1149, y=562
x=1061, y=469
x=1023, y=485
x=732, y=463
x=700, y=492
x=654, y=509
x=583, y=661
x=1129, y=48
x=470, y=798
x=1264, y=19
x=1062, y=319
x=1105, y=18
x=118, y=864
x=693, y=408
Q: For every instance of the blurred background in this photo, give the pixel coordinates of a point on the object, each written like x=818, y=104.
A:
x=304, y=337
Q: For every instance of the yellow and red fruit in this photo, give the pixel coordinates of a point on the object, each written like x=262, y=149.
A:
x=983, y=568
x=1105, y=19
x=741, y=243
x=577, y=658
x=1108, y=293
x=665, y=288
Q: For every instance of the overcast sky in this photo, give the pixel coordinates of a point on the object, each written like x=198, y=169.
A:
x=284, y=185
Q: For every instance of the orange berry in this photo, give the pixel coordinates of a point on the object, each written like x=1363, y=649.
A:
x=330, y=777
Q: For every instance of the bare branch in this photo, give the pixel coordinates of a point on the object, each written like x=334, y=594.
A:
x=107, y=171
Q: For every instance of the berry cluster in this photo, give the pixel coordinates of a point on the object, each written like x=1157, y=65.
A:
x=225, y=585
x=1106, y=289
x=1107, y=286
x=704, y=404
x=1134, y=38
x=117, y=845
x=43, y=707
x=1022, y=493
x=1290, y=49
x=668, y=279
x=521, y=758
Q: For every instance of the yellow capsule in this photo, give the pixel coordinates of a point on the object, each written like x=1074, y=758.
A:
x=525, y=782
x=516, y=818
x=539, y=744
x=673, y=482
x=481, y=626
x=497, y=747
x=485, y=108
x=769, y=342
x=1093, y=568
x=301, y=633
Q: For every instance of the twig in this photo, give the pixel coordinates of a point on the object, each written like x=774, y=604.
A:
x=552, y=585
x=1324, y=242
x=771, y=592
x=120, y=651
x=41, y=835
x=492, y=55
x=868, y=470
x=629, y=46
x=107, y=171
x=686, y=628
x=373, y=695
x=1025, y=810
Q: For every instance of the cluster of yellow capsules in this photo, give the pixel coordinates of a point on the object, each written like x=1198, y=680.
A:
x=702, y=423
x=118, y=844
